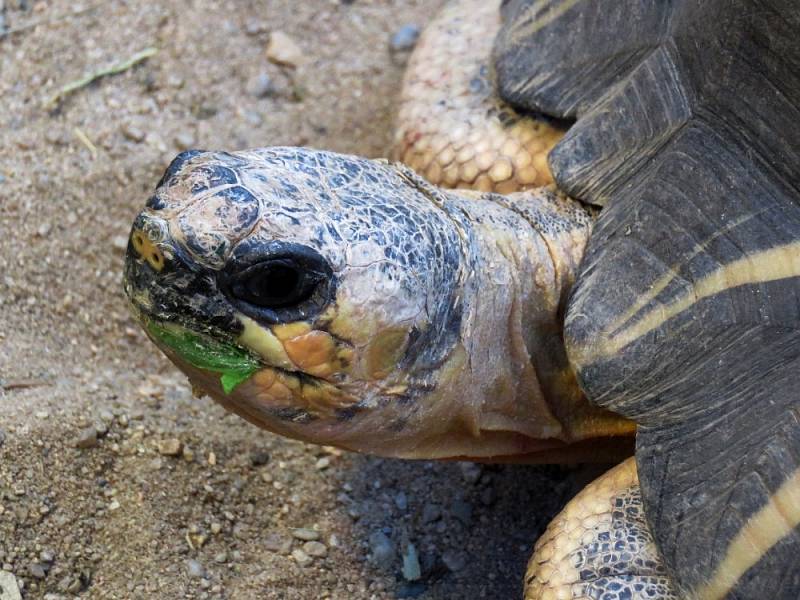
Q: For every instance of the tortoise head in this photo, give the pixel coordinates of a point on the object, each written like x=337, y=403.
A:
x=314, y=294
x=345, y=301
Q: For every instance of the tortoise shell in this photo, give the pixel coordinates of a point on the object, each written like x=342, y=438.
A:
x=686, y=311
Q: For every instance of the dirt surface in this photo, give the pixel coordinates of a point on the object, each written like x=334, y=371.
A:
x=169, y=496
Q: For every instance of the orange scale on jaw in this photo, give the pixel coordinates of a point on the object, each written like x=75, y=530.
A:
x=313, y=352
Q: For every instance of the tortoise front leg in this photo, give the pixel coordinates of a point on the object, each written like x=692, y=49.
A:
x=600, y=547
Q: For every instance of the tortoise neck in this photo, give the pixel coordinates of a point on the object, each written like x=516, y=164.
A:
x=523, y=251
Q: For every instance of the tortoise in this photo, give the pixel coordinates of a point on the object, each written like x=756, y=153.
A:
x=625, y=267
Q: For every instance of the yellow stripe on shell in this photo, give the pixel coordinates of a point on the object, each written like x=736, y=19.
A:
x=672, y=274
x=767, y=527
x=550, y=12
x=773, y=264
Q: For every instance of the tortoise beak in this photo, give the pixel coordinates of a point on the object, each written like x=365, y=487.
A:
x=164, y=284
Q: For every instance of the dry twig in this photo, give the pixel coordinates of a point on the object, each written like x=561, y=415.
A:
x=92, y=77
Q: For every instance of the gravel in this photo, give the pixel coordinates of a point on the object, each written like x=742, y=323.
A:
x=65, y=325
x=301, y=558
x=462, y=511
x=195, y=569
x=405, y=38
x=9, y=589
x=454, y=560
x=382, y=550
x=87, y=438
x=315, y=549
x=262, y=86
x=308, y=535
x=170, y=447
x=283, y=50
x=411, y=567
x=431, y=513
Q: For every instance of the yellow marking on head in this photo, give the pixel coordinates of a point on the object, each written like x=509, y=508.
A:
x=262, y=341
x=385, y=351
x=773, y=264
x=767, y=527
x=147, y=250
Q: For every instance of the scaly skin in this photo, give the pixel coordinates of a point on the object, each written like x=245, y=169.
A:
x=433, y=332
x=451, y=126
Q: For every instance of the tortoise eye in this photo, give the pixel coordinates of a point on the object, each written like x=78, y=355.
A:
x=276, y=283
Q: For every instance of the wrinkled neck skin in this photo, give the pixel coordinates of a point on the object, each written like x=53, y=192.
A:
x=506, y=389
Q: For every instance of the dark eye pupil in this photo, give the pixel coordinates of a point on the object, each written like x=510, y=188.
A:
x=275, y=284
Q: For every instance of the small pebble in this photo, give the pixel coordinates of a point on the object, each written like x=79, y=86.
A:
x=221, y=558
x=301, y=558
x=252, y=117
x=431, y=513
x=87, y=438
x=323, y=463
x=170, y=447
x=261, y=86
x=316, y=549
x=411, y=568
x=9, y=589
x=488, y=496
x=37, y=570
x=401, y=500
x=258, y=458
x=64, y=585
x=462, y=511
x=195, y=569
x=275, y=542
x=307, y=535
x=120, y=242
x=133, y=133
x=454, y=560
x=254, y=27
x=283, y=50
x=470, y=472
x=382, y=550
x=405, y=38
x=184, y=140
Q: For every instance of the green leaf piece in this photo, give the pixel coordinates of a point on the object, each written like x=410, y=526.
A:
x=235, y=364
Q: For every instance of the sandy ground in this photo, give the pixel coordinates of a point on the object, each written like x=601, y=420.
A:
x=175, y=498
